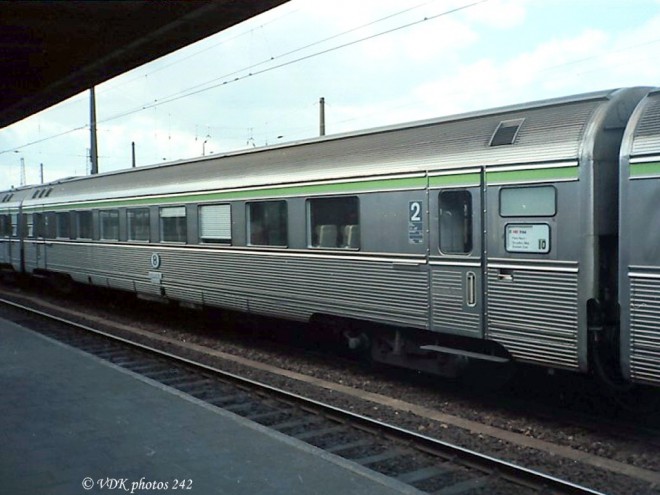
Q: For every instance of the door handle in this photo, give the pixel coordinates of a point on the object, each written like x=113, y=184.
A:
x=471, y=289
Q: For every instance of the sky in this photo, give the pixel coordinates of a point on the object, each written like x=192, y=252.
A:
x=376, y=63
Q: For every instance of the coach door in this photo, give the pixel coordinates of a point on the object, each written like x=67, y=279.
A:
x=456, y=258
x=40, y=245
x=5, y=237
x=35, y=248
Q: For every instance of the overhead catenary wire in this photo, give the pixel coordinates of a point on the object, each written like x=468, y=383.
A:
x=305, y=47
x=239, y=35
x=200, y=88
x=179, y=60
x=222, y=81
x=216, y=84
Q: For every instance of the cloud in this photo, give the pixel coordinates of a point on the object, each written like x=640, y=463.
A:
x=434, y=40
x=495, y=53
x=466, y=89
x=419, y=31
x=592, y=59
x=60, y=155
x=555, y=61
x=500, y=14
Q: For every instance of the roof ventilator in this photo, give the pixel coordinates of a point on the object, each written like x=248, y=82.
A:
x=506, y=132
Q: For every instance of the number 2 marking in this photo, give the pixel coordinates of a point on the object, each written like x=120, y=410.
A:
x=415, y=211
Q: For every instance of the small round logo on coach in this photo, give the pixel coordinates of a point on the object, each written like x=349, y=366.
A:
x=155, y=260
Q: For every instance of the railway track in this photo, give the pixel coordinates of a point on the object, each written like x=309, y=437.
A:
x=425, y=463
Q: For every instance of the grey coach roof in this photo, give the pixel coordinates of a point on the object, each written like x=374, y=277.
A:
x=552, y=131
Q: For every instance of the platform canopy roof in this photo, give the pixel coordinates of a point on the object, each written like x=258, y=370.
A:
x=51, y=50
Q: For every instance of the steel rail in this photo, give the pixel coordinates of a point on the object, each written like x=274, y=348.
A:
x=487, y=464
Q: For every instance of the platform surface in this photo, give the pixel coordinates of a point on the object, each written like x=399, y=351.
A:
x=72, y=424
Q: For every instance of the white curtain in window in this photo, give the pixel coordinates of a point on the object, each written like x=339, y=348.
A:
x=173, y=211
x=215, y=222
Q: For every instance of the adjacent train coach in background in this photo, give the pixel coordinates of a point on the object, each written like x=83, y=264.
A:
x=490, y=236
x=639, y=241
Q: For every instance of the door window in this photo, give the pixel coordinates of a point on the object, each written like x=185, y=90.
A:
x=455, y=222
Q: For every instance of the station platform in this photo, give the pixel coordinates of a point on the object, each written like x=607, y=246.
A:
x=73, y=424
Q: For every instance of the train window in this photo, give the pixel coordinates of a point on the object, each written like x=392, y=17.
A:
x=455, y=222
x=173, y=224
x=50, y=225
x=215, y=223
x=267, y=222
x=528, y=201
x=85, y=224
x=63, y=225
x=28, y=224
x=334, y=222
x=109, y=220
x=39, y=226
x=14, y=224
x=138, y=224
x=5, y=225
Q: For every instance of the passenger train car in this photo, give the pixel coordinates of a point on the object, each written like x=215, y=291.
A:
x=490, y=236
x=639, y=244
